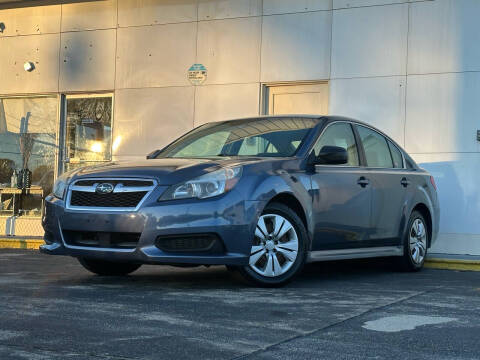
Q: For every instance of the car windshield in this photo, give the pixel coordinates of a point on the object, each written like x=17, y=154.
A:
x=263, y=137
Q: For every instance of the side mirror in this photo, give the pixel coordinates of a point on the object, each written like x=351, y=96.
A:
x=332, y=155
x=153, y=154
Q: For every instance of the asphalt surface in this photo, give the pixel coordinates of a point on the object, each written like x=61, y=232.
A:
x=51, y=308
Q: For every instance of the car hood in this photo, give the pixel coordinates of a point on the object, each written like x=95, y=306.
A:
x=167, y=171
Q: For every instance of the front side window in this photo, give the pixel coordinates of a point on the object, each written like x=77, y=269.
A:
x=269, y=137
x=376, y=148
x=341, y=135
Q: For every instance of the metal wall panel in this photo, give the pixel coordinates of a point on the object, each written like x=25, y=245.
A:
x=222, y=9
x=91, y=15
x=155, y=55
x=296, y=47
x=377, y=101
x=42, y=51
x=87, y=60
x=456, y=176
x=224, y=102
x=342, y=4
x=230, y=49
x=444, y=36
x=148, y=119
x=370, y=41
x=153, y=12
x=287, y=6
x=443, y=113
x=30, y=20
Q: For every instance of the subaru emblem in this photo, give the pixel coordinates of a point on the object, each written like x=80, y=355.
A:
x=104, y=188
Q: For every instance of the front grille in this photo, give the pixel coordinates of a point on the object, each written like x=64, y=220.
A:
x=127, y=194
x=127, y=183
x=112, y=240
x=203, y=243
x=122, y=199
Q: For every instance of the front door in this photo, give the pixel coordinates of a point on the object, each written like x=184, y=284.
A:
x=88, y=130
x=297, y=99
x=341, y=200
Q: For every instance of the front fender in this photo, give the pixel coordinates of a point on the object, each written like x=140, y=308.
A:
x=298, y=185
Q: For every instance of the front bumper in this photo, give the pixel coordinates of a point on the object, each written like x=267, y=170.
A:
x=229, y=217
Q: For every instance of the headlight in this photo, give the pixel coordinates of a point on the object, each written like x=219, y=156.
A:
x=60, y=186
x=205, y=186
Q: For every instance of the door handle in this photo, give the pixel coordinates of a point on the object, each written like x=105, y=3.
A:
x=404, y=182
x=363, y=181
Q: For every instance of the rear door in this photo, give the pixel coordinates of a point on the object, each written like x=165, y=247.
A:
x=341, y=195
x=389, y=182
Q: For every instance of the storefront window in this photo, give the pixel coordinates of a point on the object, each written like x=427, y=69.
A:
x=28, y=148
x=89, y=130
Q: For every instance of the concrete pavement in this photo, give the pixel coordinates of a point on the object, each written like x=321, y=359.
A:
x=51, y=308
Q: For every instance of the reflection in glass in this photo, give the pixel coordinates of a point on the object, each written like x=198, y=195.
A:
x=89, y=131
x=27, y=145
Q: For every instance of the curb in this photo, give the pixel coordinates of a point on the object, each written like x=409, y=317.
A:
x=20, y=243
x=453, y=264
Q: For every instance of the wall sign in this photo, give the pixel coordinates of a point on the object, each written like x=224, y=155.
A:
x=197, y=74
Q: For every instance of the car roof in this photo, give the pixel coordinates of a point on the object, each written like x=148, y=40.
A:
x=327, y=118
x=299, y=116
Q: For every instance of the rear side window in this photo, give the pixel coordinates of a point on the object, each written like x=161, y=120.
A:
x=339, y=134
x=396, y=156
x=409, y=163
x=376, y=148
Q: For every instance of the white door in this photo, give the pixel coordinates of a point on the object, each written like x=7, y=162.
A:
x=309, y=99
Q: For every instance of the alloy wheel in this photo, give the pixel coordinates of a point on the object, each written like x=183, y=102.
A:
x=418, y=241
x=275, y=248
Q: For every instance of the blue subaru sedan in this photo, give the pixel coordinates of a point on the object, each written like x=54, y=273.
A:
x=262, y=196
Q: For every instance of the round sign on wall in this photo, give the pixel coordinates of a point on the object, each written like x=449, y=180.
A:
x=197, y=74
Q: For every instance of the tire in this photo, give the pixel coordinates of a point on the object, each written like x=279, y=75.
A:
x=285, y=254
x=415, y=243
x=108, y=268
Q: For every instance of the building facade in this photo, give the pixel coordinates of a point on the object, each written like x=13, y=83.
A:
x=87, y=82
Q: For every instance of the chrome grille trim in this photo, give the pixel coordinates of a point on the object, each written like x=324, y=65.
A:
x=119, y=188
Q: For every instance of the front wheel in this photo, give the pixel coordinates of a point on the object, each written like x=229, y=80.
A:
x=279, y=248
x=108, y=268
x=415, y=243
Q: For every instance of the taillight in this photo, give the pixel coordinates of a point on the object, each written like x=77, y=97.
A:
x=432, y=180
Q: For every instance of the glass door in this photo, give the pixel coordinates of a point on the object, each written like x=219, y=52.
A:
x=28, y=153
x=88, y=130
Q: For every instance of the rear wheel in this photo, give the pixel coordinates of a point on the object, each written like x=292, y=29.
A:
x=108, y=268
x=279, y=248
x=415, y=243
